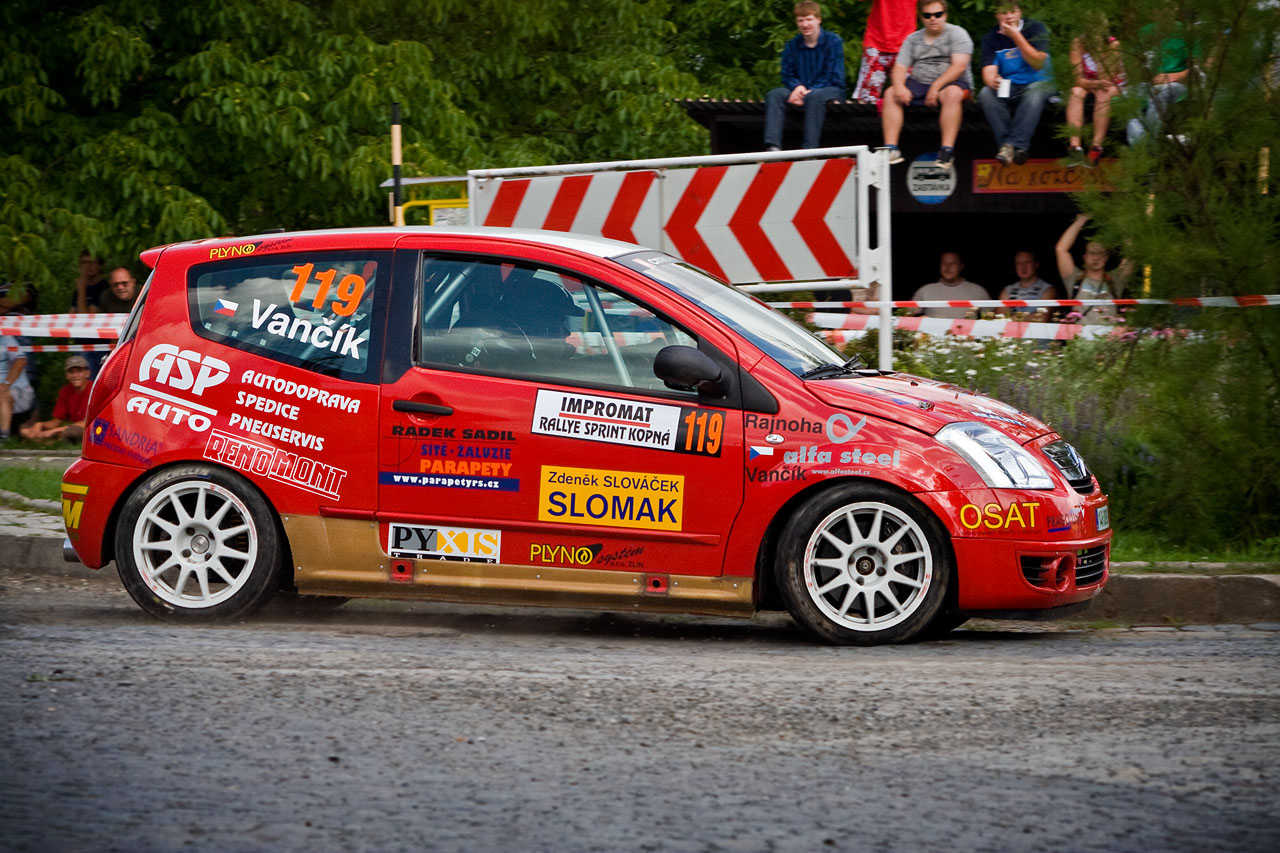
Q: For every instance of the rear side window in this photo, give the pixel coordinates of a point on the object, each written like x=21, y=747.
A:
x=316, y=310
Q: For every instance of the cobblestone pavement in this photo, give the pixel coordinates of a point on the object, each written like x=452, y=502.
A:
x=391, y=726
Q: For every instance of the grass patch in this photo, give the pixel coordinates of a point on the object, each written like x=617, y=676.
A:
x=36, y=483
x=1137, y=545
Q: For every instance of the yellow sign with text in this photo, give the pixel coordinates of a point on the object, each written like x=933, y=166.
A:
x=611, y=498
x=1036, y=176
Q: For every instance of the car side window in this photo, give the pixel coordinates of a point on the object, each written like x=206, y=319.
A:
x=539, y=322
x=314, y=310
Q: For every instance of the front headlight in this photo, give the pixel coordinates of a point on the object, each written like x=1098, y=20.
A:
x=999, y=460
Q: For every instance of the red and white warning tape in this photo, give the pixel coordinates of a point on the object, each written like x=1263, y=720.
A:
x=100, y=326
x=62, y=348
x=844, y=327
x=1189, y=302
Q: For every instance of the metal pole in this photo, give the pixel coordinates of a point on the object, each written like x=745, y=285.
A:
x=884, y=251
x=397, y=200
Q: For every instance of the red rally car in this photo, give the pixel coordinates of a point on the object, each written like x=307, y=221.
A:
x=494, y=415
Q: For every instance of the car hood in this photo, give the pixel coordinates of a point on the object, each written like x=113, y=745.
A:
x=925, y=404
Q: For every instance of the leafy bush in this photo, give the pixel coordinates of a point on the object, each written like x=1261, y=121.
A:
x=1179, y=428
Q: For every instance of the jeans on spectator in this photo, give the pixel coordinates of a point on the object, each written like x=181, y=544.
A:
x=1029, y=99
x=815, y=110
x=1159, y=98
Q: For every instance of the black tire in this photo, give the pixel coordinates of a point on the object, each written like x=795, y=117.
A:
x=862, y=564
x=942, y=625
x=198, y=543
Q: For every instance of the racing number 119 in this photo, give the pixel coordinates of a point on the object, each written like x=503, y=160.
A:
x=350, y=289
x=709, y=426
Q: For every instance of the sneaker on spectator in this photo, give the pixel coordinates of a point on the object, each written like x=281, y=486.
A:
x=895, y=154
x=1094, y=157
x=1005, y=154
x=946, y=158
x=1020, y=155
x=1076, y=157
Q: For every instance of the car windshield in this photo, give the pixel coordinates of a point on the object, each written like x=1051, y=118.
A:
x=787, y=342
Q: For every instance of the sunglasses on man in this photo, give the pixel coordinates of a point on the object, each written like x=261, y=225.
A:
x=927, y=15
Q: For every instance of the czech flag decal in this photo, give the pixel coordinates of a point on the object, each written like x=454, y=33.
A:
x=225, y=306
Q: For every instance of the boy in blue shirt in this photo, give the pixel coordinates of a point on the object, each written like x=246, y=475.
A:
x=812, y=74
x=1015, y=69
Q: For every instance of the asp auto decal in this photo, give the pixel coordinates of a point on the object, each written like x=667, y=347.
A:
x=683, y=429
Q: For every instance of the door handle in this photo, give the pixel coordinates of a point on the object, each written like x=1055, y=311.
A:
x=425, y=408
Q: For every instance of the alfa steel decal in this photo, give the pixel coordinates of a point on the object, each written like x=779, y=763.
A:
x=451, y=544
x=683, y=429
x=611, y=498
x=282, y=466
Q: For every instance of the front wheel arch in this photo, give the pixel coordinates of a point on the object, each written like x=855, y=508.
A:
x=862, y=562
x=767, y=594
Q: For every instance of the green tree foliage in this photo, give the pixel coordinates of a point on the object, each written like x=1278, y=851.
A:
x=1194, y=414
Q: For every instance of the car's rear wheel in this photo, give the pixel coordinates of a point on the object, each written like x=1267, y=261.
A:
x=863, y=564
x=197, y=542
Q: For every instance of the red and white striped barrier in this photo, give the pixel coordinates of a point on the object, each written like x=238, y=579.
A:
x=1184, y=302
x=100, y=326
x=61, y=348
x=841, y=328
x=764, y=221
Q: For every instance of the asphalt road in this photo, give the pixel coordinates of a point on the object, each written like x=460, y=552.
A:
x=385, y=726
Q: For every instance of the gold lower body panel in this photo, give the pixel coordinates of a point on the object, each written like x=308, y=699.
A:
x=345, y=557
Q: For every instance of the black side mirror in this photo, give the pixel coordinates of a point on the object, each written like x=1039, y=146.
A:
x=687, y=369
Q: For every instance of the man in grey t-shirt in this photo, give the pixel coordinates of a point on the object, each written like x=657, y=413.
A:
x=932, y=69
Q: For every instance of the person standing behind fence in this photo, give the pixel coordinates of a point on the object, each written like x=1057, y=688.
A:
x=933, y=70
x=89, y=285
x=812, y=74
x=888, y=23
x=121, y=293
x=17, y=397
x=1029, y=284
x=1093, y=281
x=951, y=286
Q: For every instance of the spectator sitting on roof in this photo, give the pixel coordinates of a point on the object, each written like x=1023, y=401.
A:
x=1017, y=77
x=888, y=23
x=812, y=74
x=932, y=69
x=1099, y=72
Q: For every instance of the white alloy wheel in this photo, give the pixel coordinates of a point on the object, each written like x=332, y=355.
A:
x=863, y=563
x=198, y=542
x=195, y=544
x=867, y=566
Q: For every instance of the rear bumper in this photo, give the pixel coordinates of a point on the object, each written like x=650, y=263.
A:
x=91, y=493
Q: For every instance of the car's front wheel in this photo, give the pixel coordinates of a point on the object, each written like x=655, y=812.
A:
x=197, y=542
x=863, y=564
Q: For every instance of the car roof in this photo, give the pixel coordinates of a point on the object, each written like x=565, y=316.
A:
x=388, y=237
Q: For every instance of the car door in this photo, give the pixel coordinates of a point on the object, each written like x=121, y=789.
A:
x=530, y=430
